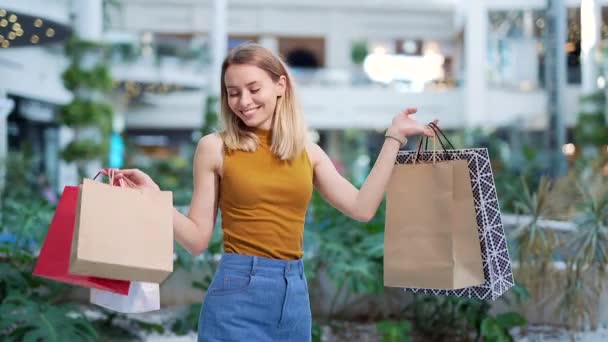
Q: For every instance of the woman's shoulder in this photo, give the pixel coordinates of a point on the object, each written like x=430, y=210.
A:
x=315, y=152
x=211, y=141
x=210, y=148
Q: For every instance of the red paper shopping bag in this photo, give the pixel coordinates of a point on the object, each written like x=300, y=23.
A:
x=54, y=259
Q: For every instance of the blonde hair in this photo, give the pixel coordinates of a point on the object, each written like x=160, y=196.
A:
x=289, y=132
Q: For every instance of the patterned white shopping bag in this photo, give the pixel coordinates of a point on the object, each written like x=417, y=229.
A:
x=495, y=254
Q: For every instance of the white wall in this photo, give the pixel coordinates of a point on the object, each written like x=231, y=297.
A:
x=340, y=22
x=387, y=19
x=183, y=110
x=34, y=72
x=339, y=107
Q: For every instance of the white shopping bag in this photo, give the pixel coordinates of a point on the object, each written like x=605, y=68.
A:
x=142, y=297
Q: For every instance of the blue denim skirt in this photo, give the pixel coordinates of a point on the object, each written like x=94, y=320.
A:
x=256, y=299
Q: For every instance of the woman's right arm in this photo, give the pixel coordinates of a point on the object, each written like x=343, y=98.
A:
x=194, y=231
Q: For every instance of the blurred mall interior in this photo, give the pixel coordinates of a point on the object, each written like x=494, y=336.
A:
x=473, y=64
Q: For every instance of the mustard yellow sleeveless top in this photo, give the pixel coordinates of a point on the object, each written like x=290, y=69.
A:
x=263, y=201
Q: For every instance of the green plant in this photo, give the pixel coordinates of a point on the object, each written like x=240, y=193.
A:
x=27, y=320
x=82, y=150
x=317, y=332
x=358, y=52
x=81, y=112
x=350, y=252
x=172, y=174
x=211, y=115
x=536, y=245
x=496, y=329
x=115, y=326
x=588, y=257
x=188, y=322
x=591, y=129
x=98, y=77
x=392, y=331
x=29, y=306
x=208, y=264
x=449, y=318
x=89, y=85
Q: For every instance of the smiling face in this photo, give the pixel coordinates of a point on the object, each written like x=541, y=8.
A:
x=252, y=94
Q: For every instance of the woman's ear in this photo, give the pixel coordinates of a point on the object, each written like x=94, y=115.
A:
x=281, y=86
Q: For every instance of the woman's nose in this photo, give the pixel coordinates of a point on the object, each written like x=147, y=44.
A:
x=245, y=100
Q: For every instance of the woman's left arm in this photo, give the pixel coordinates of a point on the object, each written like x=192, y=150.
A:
x=362, y=204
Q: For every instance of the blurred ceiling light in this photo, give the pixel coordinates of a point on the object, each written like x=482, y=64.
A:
x=570, y=47
x=380, y=50
x=601, y=82
x=589, y=23
x=431, y=47
x=15, y=25
x=569, y=149
x=525, y=85
x=386, y=68
x=146, y=38
x=434, y=57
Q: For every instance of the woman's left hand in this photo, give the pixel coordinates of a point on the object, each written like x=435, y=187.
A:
x=405, y=125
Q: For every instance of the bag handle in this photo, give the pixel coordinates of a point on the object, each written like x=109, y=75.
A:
x=111, y=178
x=436, y=138
x=436, y=129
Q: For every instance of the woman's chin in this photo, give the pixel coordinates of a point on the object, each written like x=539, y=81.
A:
x=250, y=122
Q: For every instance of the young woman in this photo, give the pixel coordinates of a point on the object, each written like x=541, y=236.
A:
x=260, y=171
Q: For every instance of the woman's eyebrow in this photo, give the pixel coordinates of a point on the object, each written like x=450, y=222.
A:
x=248, y=84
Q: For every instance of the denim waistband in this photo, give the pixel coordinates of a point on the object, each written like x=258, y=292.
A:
x=262, y=264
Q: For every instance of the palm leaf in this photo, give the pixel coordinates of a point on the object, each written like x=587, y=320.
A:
x=27, y=320
x=588, y=257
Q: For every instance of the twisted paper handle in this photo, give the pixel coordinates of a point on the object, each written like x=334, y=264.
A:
x=112, y=180
x=434, y=146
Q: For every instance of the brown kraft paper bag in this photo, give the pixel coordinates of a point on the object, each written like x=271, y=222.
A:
x=431, y=233
x=123, y=233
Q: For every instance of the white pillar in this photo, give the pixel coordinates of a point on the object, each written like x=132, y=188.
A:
x=528, y=21
x=338, y=43
x=88, y=19
x=270, y=42
x=590, y=33
x=476, y=28
x=219, y=41
x=67, y=173
x=6, y=107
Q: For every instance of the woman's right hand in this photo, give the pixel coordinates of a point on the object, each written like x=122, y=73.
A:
x=134, y=178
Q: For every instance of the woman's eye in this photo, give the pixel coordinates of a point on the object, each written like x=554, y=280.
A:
x=253, y=91
x=233, y=94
